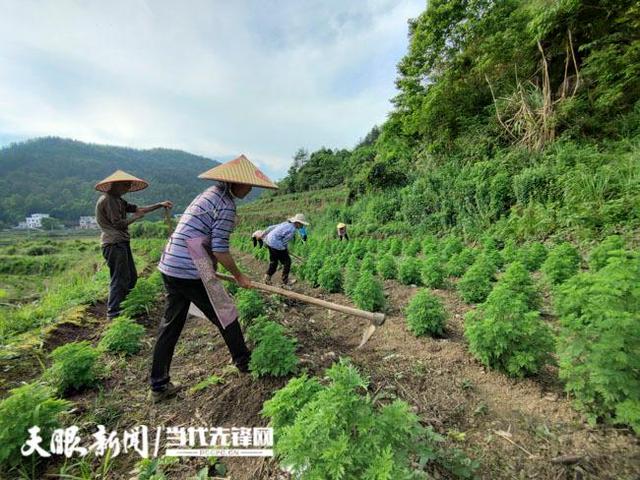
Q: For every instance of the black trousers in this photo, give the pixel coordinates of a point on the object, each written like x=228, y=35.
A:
x=180, y=293
x=123, y=274
x=279, y=256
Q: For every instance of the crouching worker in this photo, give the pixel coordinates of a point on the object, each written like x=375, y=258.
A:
x=111, y=215
x=188, y=264
x=256, y=238
x=341, y=230
x=277, y=238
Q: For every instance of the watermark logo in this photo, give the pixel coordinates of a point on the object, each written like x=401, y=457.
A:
x=154, y=442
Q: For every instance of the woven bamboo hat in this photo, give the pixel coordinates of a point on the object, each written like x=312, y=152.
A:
x=239, y=170
x=121, y=176
x=341, y=225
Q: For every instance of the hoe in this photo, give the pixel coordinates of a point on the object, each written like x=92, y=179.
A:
x=375, y=319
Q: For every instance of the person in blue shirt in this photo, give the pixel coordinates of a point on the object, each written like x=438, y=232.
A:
x=277, y=238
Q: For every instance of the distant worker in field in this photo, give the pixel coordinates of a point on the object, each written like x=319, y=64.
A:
x=341, y=230
x=189, y=263
x=256, y=237
x=277, y=238
x=111, y=215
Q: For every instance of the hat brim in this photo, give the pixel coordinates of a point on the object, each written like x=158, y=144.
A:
x=135, y=186
x=293, y=220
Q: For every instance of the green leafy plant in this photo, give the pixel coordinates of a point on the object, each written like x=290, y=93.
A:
x=274, y=353
x=387, y=267
x=476, y=283
x=532, y=256
x=599, y=341
x=312, y=266
x=504, y=334
x=432, y=273
x=562, y=263
x=412, y=248
x=368, y=293
x=74, y=366
x=425, y=314
x=249, y=304
x=26, y=406
x=143, y=296
x=335, y=431
x=330, y=277
x=608, y=248
x=460, y=262
x=517, y=279
x=351, y=275
x=450, y=246
x=123, y=335
x=409, y=271
x=207, y=382
x=430, y=245
x=395, y=247
x=368, y=264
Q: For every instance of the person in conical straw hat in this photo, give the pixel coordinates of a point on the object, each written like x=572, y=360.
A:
x=277, y=238
x=341, y=230
x=111, y=215
x=188, y=264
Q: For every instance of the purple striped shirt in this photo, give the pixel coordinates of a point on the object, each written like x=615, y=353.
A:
x=211, y=214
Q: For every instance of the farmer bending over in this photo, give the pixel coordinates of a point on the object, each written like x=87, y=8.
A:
x=277, y=238
x=188, y=265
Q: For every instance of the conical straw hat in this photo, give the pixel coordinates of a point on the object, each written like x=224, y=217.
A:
x=239, y=170
x=121, y=176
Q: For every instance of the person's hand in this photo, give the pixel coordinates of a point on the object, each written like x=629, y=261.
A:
x=138, y=214
x=243, y=281
x=167, y=204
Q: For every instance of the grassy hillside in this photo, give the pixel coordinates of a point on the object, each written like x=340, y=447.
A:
x=57, y=176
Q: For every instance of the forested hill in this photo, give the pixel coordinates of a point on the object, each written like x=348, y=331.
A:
x=519, y=118
x=57, y=176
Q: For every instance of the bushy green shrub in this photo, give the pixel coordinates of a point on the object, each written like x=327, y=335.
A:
x=285, y=404
x=450, y=246
x=74, y=366
x=490, y=250
x=504, y=334
x=330, y=277
x=358, y=249
x=425, y=314
x=409, y=271
x=609, y=247
x=476, y=283
x=368, y=264
x=312, y=266
x=123, y=335
x=335, y=431
x=396, y=246
x=563, y=262
x=351, y=275
x=430, y=245
x=26, y=406
x=460, y=262
x=274, y=353
x=599, y=344
x=532, y=256
x=432, y=273
x=386, y=267
x=249, y=304
x=368, y=293
x=510, y=251
x=143, y=296
x=412, y=248
x=517, y=279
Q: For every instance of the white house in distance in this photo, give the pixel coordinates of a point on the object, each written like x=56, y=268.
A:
x=34, y=220
x=88, y=222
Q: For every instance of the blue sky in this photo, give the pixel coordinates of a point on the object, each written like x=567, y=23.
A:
x=216, y=78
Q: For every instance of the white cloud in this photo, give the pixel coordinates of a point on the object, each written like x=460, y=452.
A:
x=214, y=78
